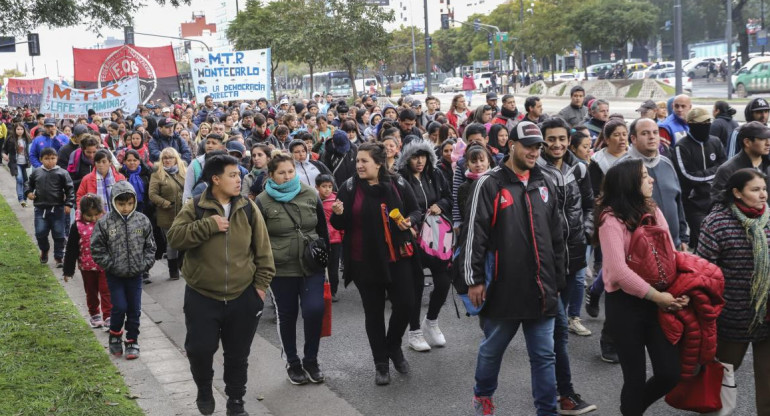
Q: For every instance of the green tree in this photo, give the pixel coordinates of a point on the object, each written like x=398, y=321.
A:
x=19, y=16
x=400, y=56
x=303, y=45
x=447, y=50
x=359, y=36
x=265, y=26
x=543, y=36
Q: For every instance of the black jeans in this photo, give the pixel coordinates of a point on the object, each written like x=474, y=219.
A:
x=291, y=293
x=439, y=270
x=400, y=291
x=335, y=250
x=235, y=323
x=633, y=325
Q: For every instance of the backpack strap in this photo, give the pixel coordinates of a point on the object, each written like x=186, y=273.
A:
x=196, y=165
x=198, y=210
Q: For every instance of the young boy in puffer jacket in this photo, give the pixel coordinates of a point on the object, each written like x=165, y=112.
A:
x=324, y=184
x=123, y=245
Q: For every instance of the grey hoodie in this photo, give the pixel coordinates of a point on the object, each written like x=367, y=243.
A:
x=123, y=246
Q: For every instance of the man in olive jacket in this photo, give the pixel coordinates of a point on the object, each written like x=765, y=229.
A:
x=228, y=266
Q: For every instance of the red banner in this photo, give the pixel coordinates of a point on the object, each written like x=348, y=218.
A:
x=25, y=92
x=156, y=68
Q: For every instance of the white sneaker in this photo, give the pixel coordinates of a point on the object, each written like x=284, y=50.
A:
x=577, y=328
x=433, y=334
x=417, y=341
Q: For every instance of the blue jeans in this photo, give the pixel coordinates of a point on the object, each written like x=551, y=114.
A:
x=539, y=336
x=572, y=296
x=468, y=96
x=291, y=294
x=126, y=297
x=21, y=178
x=560, y=338
x=50, y=220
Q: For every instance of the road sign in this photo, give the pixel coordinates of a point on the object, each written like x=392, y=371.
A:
x=501, y=36
x=762, y=37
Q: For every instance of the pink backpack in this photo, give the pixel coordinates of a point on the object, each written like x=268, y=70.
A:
x=436, y=237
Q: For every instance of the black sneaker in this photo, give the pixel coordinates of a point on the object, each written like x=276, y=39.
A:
x=132, y=349
x=399, y=362
x=382, y=375
x=314, y=373
x=296, y=374
x=609, y=355
x=43, y=257
x=59, y=263
x=235, y=408
x=116, y=345
x=205, y=401
x=592, y=303
x=573, y=404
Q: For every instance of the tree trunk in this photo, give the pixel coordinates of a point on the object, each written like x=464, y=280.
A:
x=312, y=84
x=553, y=70
x=740, y=25
x=352, y=76
x=274, y=67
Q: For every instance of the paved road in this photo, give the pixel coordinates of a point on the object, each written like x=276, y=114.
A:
x=440, y=382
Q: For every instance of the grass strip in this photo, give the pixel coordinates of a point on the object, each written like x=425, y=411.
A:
x=50, y=362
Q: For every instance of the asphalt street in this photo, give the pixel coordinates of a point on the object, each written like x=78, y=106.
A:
x=440, y=382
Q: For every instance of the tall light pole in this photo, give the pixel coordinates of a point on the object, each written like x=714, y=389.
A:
x=678, y=44
x=729, y=39
x=428, y=41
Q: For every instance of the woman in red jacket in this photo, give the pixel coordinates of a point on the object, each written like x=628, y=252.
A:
x=632, y=304
x=100, y=180
x=458, y=112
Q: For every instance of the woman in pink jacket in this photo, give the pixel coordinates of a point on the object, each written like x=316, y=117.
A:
x=632, y=304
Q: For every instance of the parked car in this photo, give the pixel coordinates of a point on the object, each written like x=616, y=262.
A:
x=481, y=79
x=599, y=71
x=413, y=86
x=668, y=77
x=363, y=86
x=564, y=76
x=451, y=84
x=752, y=78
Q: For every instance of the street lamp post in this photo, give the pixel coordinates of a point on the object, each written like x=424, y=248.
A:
x=678, y=45
x=427, y=49
x=728, y=39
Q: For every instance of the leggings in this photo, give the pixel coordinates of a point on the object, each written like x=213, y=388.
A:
x=440, y=273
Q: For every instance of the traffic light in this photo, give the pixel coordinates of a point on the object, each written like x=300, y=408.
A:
x=489, y=38
x=33, y=43
x=445, y=21
x=187, y=46
x=430, y=42
x=128, y=35
x=476, y=24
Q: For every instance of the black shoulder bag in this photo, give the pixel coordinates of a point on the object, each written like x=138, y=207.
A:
x=316, y=254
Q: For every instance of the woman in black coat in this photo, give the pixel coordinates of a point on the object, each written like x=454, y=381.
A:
x=379, y=251
x=723, y=124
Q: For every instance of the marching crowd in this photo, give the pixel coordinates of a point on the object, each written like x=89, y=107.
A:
x=666, y=213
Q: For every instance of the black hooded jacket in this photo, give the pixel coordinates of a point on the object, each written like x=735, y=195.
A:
x=431, y=188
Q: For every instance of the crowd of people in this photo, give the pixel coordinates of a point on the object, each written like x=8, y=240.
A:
x=515, y=209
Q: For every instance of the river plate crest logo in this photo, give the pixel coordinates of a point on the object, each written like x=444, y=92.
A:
x=127, y=62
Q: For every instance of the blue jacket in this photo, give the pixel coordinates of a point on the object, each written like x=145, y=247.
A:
x=43, y=141
x=675, y=127
x=158, y=143
x=204, y=113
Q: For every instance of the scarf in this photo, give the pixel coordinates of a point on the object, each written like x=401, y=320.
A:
x=649, y=162
x=284, y=192
x=104, y=188
x=760, y=278
x=509, y=114
x=135, y=179
x=473, y=176
x=173, y=170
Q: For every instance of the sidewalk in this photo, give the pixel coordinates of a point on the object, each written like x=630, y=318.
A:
x=160, y=379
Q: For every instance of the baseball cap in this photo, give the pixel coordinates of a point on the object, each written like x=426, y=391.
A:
x=416, y=104
x=408, y=100
x=527, y=133
x=49, y=122
x=491, y=96
x=698, y=115
x=166, y=122
x=283, y=101
x=80, y=129
x=759, y=104
x=165, y=110
x=754, y=130
x=234, y=146
x=647, y=105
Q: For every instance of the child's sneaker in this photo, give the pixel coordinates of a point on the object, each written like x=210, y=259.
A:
x=96, y=321
x=43, y=257
x=107, y=325
x=132, y=349
x=116, y=344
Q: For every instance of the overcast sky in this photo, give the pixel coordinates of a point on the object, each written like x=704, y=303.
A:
x=56, y=44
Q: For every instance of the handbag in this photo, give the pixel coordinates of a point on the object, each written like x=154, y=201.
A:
x=316, y=254
x=728, y=394
x=651, y=254
x=326, y=323
x=701, y=393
